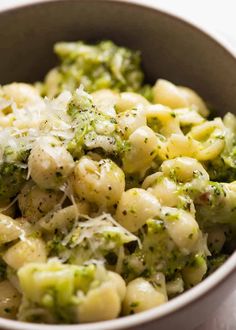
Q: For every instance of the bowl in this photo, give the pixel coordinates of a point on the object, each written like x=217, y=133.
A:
x=172, y=49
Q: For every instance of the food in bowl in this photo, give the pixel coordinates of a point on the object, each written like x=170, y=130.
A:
x=115, y=195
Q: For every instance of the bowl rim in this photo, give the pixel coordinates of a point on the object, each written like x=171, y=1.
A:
x=202, y=289
x=209, y=32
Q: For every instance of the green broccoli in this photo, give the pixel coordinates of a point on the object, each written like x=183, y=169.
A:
x=223, y=167
x=93, y=129
x=214, y=202
x=214, y=262
x=98, y=238
x=13, y=170
x=104, y=65
x=58, y=293
x=157, y=253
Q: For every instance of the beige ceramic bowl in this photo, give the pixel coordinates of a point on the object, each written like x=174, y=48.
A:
x=173, y=49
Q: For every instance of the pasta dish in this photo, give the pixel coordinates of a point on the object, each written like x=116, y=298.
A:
x=115, y=195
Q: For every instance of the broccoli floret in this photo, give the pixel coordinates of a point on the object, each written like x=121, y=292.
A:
x=93, y=129
x=223, y=167
x=214, y=262
x=98, y=238
x=214, y=202
x=13, y=171
x=60, y=293
x=104, y=65
x=12, y=178
x=157, y=253
x=54, y=287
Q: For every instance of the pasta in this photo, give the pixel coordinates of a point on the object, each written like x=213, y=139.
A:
x=10, y=300
x=49, y=163
x=115, y=196
x=142, y=295
x=100, y=182
x=135, y=207
x=130, y=120
x=25, y=251
x=141, y=152
x=9, y=229
x=35, y=202
x=194, y=273
x=129, y=101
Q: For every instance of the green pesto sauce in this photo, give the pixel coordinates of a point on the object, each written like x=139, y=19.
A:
x=12, y=178
x=158, y=253
x=87, y=118
x=104, y=65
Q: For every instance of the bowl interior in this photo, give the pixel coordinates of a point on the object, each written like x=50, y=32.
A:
x=171, y=48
